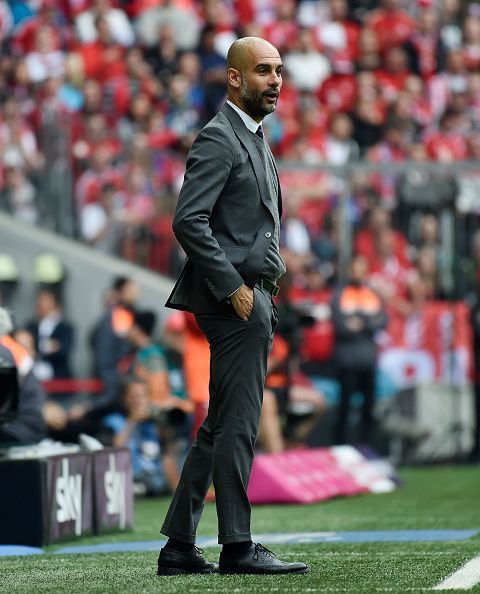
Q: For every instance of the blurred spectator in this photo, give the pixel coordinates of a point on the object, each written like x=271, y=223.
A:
x=101, y=172
x=150, y=364
x=471, y=41
x=376, y=220
x=391, y=23
x=428, y=233
x=313, y=296
x=53, y=337
x=163, y=55
x=295, y=233
x=19, y=195
x=18, y=144
x=388, y=272
x=307, y=68
x=213, y=67
x=451, y=30
x=283, y=29
x=420, y=192
x=118, y=23
x=154, y=460
x=357, y=314
x=339, y=36
x=183, y=116
x=420, y=110
x=340, y=147
x=27, y=426
x=426, y=48
x=391, y=78
x=368, y=52
x=45, y=61
x=368, y=114
x=182, y=20
x=101, y=222
x=451, y=79
x=427, y=267
x=448, y=143
x=110, y=345
x=49, y=14
x=102, y=58
x=310, y=144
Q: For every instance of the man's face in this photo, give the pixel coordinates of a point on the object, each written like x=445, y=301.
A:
x=261, y=82
x=358, y=269
x=130, y=292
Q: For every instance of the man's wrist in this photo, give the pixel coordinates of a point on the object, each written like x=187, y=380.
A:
x=235, y=291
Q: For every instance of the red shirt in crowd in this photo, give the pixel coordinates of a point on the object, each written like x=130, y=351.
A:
x=102, y=62
x=338, y=93
x=390, y=83
x=365, y=246
x=426, y=48
x=446, y=147
x=393, y=27
x=282, y=34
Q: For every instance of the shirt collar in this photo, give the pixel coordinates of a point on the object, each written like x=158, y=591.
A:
x=249, y=122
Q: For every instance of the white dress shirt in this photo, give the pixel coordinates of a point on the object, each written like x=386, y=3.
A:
x=249, y=122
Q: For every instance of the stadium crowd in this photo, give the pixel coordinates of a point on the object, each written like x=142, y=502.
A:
x=123, y=88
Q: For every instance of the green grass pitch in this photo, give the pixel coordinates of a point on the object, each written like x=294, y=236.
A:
x=435, y=498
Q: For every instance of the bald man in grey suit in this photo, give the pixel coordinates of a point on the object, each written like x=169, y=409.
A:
x=228, y=222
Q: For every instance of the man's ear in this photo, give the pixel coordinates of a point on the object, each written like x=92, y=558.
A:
x=234, y=78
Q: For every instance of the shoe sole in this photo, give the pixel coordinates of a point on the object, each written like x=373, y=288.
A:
x=241, y=571
x=180, y=571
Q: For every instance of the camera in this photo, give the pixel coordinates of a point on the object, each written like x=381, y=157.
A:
x=8, y=392
x=171, y=417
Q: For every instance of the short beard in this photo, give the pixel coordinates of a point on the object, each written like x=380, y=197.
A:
x=253, y=101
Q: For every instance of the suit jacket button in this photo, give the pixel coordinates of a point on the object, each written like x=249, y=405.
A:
x=268, y=234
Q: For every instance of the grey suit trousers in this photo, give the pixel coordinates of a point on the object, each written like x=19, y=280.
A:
x=224, y=447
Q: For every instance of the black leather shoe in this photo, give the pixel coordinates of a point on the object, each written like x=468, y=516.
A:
x=259, y=560
x=172, y=562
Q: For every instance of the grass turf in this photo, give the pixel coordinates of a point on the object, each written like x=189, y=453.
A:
x=430, y=498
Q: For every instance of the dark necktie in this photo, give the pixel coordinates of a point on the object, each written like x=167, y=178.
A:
x=259, y=131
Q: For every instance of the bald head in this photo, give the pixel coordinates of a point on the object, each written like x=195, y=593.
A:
x=247, y=48
x=254, y=76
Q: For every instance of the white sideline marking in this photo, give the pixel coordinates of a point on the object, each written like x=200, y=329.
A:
x=463, y=579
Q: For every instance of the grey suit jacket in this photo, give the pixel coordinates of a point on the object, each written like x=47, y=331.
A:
x=224, y=216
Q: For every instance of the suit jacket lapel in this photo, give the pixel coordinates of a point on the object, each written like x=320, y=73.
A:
x=245, y=137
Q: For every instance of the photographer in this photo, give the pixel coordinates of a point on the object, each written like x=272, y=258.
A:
x=151, y=364
x=149, y=433
x=358, y=314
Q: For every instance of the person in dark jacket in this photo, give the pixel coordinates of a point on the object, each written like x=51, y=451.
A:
x=109, y=340
x=53, y=337
x=357, y=314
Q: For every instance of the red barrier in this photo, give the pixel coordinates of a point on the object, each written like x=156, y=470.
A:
x=73, y=385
